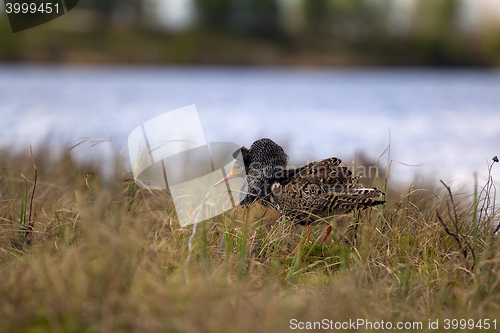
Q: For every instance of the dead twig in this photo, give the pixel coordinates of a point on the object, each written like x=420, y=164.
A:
x=457, y=235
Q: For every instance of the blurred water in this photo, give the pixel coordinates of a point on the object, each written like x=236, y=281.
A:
x=447, y=120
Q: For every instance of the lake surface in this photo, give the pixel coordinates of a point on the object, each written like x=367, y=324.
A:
x=446, y=121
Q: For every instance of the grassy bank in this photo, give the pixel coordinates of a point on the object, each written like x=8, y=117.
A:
x=77, y=255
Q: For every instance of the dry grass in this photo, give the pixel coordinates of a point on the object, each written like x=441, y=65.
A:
x=111, y=258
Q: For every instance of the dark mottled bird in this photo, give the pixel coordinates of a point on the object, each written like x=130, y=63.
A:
x=304, y=194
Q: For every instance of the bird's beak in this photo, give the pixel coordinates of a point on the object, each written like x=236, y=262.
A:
x=225, y=178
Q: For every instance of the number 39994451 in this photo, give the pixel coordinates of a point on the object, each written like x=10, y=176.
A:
x=32, y=8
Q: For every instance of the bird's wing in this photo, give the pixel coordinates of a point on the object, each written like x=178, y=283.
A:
x=324, y=188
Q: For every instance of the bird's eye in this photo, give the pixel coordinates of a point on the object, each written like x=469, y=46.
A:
x=237, y=166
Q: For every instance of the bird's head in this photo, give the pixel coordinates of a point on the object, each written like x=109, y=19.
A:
x=263, y=156
x=236, y=171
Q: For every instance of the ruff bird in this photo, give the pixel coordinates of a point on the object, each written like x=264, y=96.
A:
x=304, y=194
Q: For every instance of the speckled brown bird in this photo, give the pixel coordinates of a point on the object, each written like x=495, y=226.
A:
x=316, y=190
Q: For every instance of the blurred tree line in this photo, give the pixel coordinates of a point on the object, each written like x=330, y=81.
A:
x=311, y=32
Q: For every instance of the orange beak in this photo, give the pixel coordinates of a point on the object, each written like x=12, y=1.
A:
x=224, y=179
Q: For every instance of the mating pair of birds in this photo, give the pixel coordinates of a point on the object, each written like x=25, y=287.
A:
x=304, y=194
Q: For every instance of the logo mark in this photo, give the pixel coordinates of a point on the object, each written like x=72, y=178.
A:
x=170, y=152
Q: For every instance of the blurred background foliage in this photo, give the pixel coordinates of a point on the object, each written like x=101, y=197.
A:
x=265, y=32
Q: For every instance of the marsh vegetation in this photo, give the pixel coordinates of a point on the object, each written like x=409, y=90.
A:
x=78, y=254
